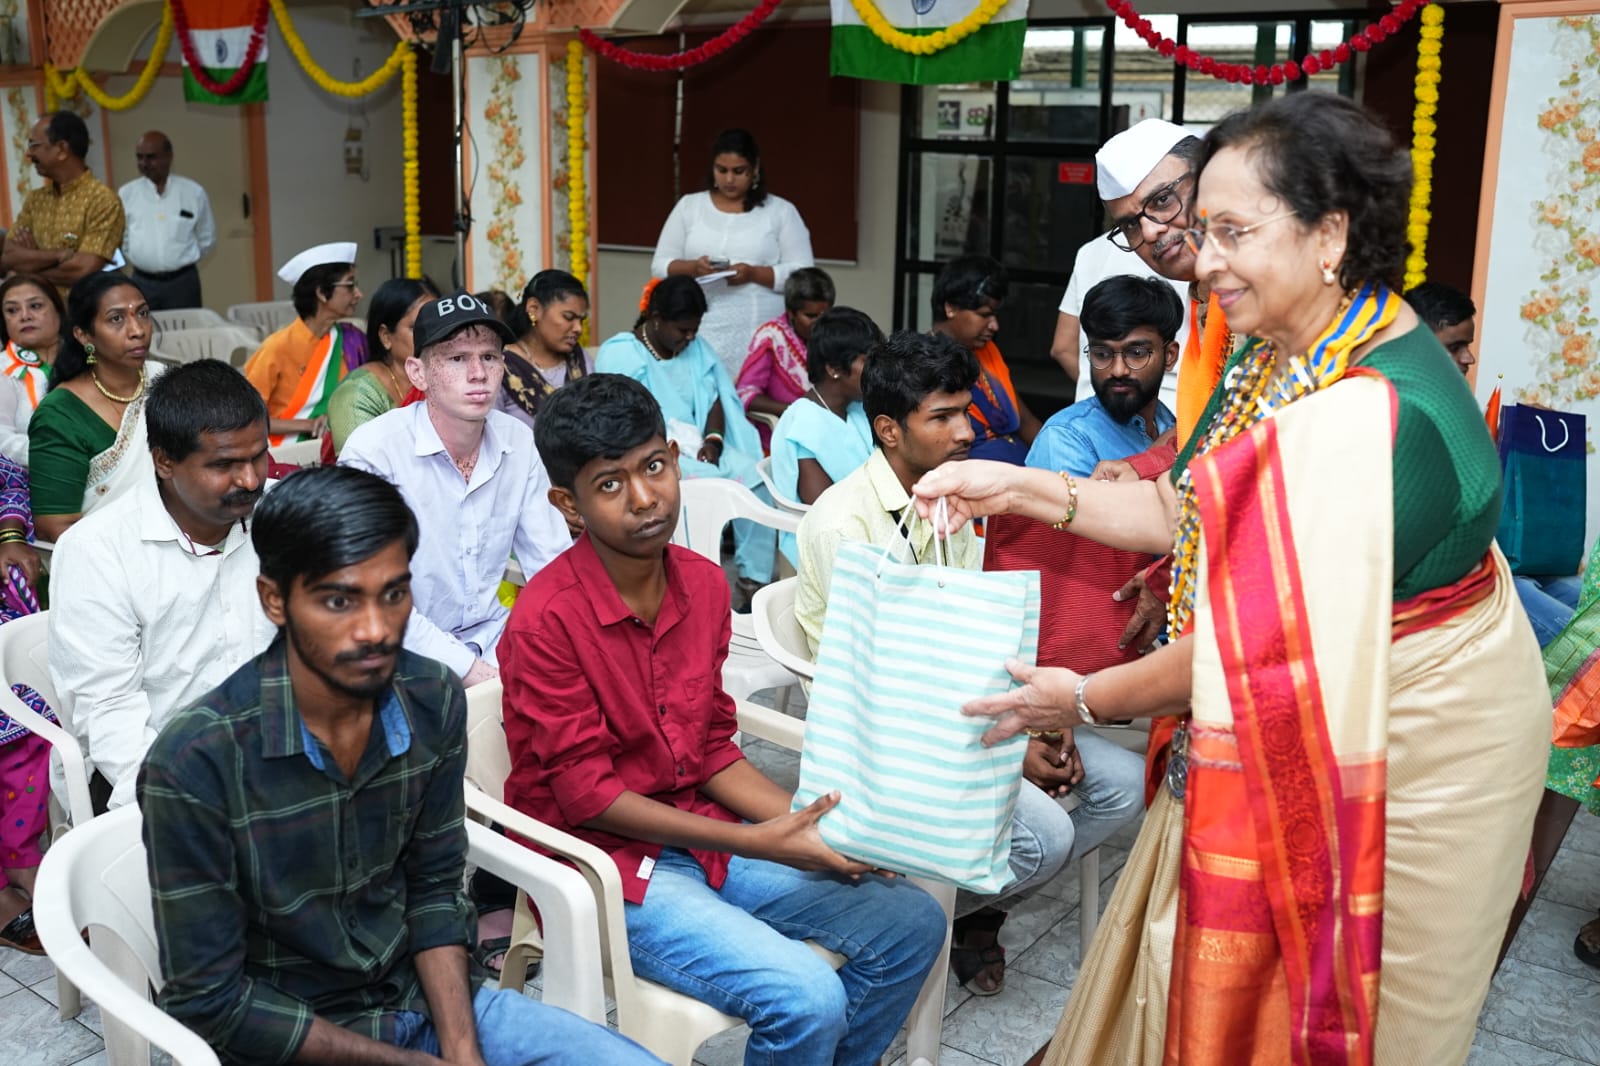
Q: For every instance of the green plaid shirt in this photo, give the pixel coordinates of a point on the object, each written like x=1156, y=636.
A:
x=283, y=891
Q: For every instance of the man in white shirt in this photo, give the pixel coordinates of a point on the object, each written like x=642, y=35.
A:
x=153, y=597
x=170, y=227
x=473, y=477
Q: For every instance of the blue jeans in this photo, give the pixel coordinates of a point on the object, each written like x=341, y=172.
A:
x=740, y=950
x=1044, y=837
x=1549, y=603
x=514, y=1030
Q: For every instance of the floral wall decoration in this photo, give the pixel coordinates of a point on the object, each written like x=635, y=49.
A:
x=504, y=97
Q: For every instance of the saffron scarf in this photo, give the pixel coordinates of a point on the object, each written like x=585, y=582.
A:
x=1200, y=372
x=324, y=370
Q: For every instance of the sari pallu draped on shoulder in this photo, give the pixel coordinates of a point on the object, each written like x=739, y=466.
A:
x=1362, y=780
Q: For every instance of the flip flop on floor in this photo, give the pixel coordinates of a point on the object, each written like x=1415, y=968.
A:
x=19, y=935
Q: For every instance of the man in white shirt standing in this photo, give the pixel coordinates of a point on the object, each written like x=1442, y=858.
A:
x=473, y=477
x=170, y=227
x=153, y=597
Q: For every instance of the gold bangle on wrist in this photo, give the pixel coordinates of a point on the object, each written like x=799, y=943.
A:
x=1072, y=502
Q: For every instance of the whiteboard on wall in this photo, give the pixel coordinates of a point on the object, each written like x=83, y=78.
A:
x=1538, y=287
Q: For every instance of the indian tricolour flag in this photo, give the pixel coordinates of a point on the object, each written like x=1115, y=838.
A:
x=993, y=53
x=220, y=32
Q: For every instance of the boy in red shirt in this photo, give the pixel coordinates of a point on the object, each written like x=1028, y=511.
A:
x=621, y=734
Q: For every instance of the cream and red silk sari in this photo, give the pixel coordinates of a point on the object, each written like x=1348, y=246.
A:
x=1328, y=891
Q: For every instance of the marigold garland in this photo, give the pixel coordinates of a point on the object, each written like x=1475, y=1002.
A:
x=926, y=44
x=1423, y=143
x=197, y=69
x=680, y=60
x=577, y=164
x=1278, y=73
x=366, y=86
x=409, y=168
x=59, y=86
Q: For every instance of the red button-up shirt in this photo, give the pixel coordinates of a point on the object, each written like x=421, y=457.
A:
x=598, y=702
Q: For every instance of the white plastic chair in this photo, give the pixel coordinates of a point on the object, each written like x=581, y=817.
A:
x=784, y=639
x=668, y=1023
x=97, y=878
x=764, y=469
x=302, y=453
x=25, y=660
x=191, y=318
x=708, y=505
x=213, y=342
x=264, y=318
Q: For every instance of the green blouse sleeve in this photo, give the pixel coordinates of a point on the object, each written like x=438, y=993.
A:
x=359, y=399
x=61, y=442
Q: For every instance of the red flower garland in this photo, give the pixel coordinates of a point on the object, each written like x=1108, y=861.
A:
x=1277, y=74
x=258, y=36
x=680, y=60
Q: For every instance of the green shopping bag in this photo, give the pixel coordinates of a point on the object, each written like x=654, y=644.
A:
x=1543, y=454
x=903, y=647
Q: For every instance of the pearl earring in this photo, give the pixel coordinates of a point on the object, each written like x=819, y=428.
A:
x=1328, y=277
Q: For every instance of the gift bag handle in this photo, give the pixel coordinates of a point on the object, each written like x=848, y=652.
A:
x=1544, y=440
x=908, y=517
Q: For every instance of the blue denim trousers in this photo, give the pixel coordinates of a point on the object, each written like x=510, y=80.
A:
x=514, y=1030
x=1549, y=602
x=1045, y=837
x=741, y=949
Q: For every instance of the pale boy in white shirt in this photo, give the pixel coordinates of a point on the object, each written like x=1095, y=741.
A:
x=170, y=227
x=153, y=597
x=473, y=477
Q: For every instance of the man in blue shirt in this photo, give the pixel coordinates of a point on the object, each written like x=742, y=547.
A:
x=1131, y=325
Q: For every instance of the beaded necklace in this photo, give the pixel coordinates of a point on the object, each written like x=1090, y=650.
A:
x=1256, y=396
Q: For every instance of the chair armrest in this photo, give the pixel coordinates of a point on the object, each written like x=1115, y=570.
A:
x=769, y=725
x=76, y=963
x=573, y=976
x=596, y=867
x=766, y=419
x=64, y=744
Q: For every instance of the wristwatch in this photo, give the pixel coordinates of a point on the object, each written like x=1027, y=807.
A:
x=1083, y=708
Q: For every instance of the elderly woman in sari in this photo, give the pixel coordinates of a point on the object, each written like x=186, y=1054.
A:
x=86, y=441
x=967, y=296
x=1343, y=798
x=698, y=401
x=774, y=374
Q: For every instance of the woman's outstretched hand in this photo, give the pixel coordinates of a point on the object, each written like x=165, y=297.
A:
x=1047, y=700
x=971, y=488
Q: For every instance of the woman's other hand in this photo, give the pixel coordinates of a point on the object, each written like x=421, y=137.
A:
x=22, y=556
x=1046, y=701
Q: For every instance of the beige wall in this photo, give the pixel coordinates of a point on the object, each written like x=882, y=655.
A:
x=312, y=198
x=867, y=284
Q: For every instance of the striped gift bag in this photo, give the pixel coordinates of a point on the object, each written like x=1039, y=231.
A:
x=903, y=647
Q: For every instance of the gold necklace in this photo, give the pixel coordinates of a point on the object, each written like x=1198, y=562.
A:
x=644, y=338
x=113, y=397
x=400, y=394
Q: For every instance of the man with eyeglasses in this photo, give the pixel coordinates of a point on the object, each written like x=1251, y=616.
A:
x=1131, y=325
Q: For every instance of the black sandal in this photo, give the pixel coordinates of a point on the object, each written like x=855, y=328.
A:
x=488, y=950
x=20, y=935
x=970, y=963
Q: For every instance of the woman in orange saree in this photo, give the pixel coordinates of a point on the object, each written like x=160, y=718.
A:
x=1353, y=719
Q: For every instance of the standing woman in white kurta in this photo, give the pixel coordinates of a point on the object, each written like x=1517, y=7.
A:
x=736, y=225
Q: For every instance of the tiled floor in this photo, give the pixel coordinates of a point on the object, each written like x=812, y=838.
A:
x=1543, y=1008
